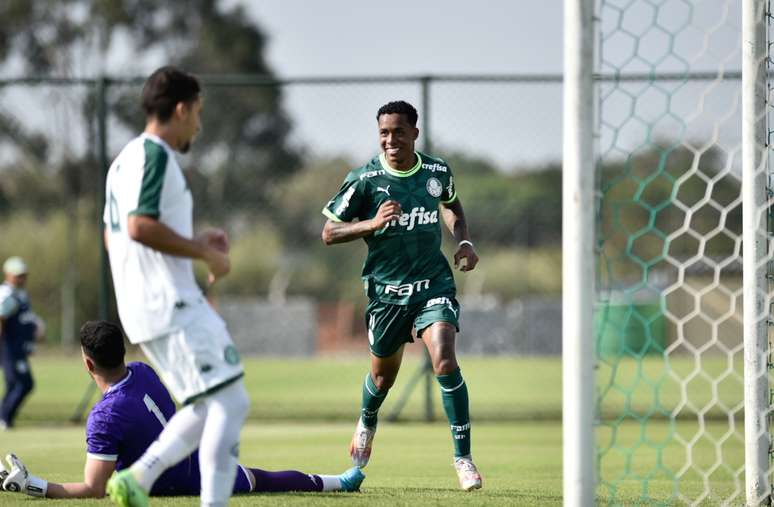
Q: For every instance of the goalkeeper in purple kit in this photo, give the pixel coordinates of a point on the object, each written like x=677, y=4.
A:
x=134, y=409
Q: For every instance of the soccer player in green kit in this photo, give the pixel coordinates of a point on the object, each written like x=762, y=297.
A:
x=396, y=203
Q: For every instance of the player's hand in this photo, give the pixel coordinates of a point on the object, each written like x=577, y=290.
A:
x=218, y=264
x=40, y=329
x=389, y=210
x=467, y=254
x=215, y=238
x=215, y=246
x=19, y=479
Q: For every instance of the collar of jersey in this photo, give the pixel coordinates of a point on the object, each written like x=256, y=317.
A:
x=120, y=382
x=156, y=139
x=400, y=174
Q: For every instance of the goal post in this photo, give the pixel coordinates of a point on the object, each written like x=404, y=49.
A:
x=578, y=254
x=667, y=252
x=757, y=302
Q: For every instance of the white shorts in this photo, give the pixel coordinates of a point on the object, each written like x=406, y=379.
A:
x=197, y=359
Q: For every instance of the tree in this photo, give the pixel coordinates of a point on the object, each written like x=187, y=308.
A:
x=245, y=146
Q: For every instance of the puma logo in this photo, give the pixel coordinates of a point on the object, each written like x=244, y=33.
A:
x=386, y=189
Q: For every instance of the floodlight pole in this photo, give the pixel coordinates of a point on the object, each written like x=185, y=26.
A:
x=578, y=255
x=754, y=240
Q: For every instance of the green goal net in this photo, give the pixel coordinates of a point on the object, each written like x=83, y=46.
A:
x=668, y=308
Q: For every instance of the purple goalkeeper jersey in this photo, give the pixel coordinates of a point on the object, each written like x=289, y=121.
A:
x=129, y=418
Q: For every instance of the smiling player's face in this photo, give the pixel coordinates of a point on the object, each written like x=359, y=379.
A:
x=397, y=137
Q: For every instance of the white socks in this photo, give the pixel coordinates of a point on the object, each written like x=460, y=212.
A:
x=330, y=482
x=219, y=447
x=213, y=424
x=179, y=438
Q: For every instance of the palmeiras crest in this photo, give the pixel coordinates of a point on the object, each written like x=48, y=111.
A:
x=434, y=187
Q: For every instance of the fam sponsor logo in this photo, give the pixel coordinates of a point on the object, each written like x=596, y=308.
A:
x=435, y=167
x=371, y=174
x=407, y=289
x=417, y=216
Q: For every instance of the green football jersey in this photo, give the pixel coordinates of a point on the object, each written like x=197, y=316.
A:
x=404, y=264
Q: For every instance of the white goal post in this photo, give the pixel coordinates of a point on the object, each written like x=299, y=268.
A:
x=578, y=254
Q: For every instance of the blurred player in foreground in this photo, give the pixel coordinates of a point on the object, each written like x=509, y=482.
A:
x=396, y=203
x=19, y=328
x=133, y=411
x=149, y=236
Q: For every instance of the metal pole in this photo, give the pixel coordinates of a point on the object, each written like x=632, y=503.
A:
x=427, y=146
x=754, y=163
x=578, y=255
x=103, y=166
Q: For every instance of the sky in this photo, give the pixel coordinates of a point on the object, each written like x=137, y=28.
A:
x=515, y=126
x=346, y=37
x=409, y=38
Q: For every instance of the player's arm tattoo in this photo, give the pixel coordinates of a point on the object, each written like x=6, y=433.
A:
x=341, y=232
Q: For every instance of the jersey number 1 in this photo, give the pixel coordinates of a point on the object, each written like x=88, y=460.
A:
x=154, y=409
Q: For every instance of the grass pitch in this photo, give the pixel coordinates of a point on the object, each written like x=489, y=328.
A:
x=411, y=464
x=303, y=413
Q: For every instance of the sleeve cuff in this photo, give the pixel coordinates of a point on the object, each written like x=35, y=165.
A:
x=328, y=213
x=146, y=212
x=102, y=457
x=451, y=200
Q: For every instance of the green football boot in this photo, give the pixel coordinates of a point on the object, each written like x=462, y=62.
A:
x=125, y=492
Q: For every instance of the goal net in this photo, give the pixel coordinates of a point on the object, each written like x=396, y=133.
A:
x=673, y=344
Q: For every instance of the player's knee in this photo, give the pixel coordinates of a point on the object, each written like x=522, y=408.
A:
x=445, y=365
x=239, y=401
x=384, y=383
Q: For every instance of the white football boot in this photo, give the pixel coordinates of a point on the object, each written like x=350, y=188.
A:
x=360, y=447
x=468, y=474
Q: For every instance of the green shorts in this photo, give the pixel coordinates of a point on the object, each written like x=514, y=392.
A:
x=389, y=326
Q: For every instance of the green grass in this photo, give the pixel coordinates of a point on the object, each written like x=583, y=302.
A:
x=303, y=413
x=329, y=389
x=411, y=464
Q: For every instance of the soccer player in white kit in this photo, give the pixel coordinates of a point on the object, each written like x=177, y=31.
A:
x=149, y=236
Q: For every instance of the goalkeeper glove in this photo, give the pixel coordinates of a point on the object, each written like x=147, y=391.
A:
x=20, y=480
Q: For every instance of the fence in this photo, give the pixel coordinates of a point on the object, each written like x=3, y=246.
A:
x=271, y=153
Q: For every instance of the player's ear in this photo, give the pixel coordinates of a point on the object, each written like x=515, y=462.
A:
x=182, y=109
x=416, y=133
x=89, y=363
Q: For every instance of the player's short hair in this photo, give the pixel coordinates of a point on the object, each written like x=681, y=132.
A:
x=103, y=342
x=399, y=107
x=165, y=88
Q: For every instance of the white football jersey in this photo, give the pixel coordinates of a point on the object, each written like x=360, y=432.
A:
x=153, y=289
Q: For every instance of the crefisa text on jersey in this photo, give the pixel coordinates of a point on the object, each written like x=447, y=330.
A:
x=417, y=216
x=435, y=167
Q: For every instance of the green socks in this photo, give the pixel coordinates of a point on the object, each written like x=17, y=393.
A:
x=372, y=400
x=454, y=394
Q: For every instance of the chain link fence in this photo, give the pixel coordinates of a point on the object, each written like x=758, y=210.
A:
x=270, y=155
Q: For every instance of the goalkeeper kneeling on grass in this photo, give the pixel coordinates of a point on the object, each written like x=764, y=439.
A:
x=134, y=409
